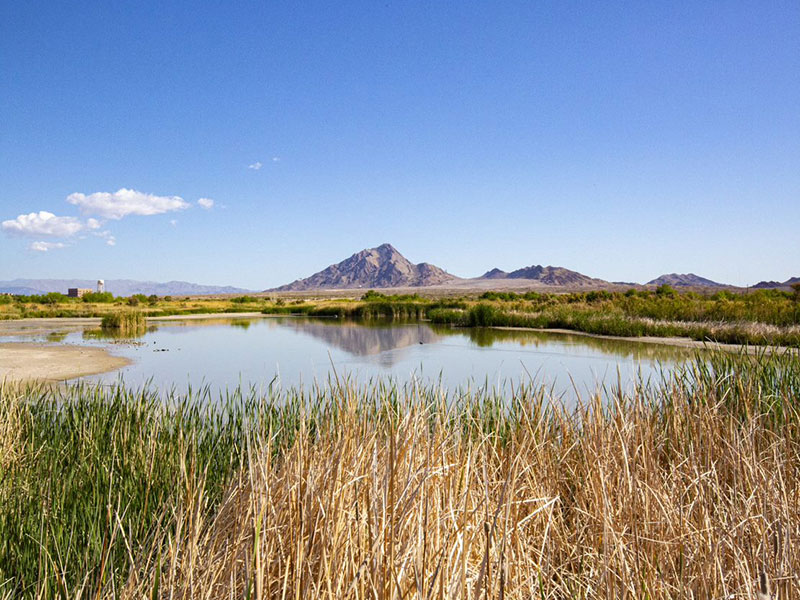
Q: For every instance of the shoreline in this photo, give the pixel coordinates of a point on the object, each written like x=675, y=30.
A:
x=25, y=361
x=58, y=362
x=678, y=342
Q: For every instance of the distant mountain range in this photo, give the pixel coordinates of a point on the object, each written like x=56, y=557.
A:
x=118, y=287
x=379, y=267
x=385, y=267
x=777, y=284
x=684, y=280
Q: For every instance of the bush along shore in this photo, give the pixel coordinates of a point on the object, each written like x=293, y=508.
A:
x=685, y=488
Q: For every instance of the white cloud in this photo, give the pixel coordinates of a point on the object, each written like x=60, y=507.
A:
x=46, y=246
x=255, y=166
x=93, y=224
x=106, y=235
x=44, y=223
x=206, y=203
x=173, y=222
x=276, y=158
x=125, y=202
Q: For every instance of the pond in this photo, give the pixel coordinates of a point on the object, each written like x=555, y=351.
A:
x=224, y=352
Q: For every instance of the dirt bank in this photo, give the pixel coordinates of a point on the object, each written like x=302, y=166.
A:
x=51, y=362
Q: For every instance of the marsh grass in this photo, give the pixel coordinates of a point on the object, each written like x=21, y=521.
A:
x=688, y=488
x=124, y=322
x=604, y=321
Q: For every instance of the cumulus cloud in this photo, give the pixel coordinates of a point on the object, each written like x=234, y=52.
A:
x=44, y=223
x=255, y=166
x=46, y=246
x=104, y=206
x=124, y=202
x=276, y=159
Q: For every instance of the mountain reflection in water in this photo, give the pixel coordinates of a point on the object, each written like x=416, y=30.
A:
x=366, y=339
x=369, y=338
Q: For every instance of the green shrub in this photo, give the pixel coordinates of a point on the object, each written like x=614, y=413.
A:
x=98, y=297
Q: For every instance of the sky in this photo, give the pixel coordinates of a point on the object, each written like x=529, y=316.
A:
x=250, y=144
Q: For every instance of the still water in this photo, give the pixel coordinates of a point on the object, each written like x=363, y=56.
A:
x=228, y=351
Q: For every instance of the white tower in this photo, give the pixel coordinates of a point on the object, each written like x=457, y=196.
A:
x=101, y=286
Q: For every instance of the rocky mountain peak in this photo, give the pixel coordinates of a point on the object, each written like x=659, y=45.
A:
x=378, y=267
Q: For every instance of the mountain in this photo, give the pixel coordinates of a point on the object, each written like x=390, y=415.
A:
x=767, y=285
x=777, y=284
x=552, y=276
x=545, y=275
x=377, y=267
x=494, y=274
x=118, y=287
x=684, y=280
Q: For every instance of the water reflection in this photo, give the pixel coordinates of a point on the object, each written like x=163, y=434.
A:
x=487, y=337
x=365, y=338
x=118, y=334
x=370, y=338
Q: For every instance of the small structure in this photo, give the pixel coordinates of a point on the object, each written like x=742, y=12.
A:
x=101, y=286
x=78, y=292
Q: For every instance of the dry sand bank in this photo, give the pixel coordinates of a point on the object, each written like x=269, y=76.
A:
x=57, y=362
x=54, y=362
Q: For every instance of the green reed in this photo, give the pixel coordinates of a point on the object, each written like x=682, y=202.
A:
x=92, y=477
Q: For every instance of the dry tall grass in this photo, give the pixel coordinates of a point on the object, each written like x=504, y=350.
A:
x=685, y=489
x=676, y=493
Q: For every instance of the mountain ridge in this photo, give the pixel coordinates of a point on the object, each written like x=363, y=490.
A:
x=385, y=267
x=118, y=287
x=766, y=285
x=684, y=280
x=550, y=275
x=379, y=267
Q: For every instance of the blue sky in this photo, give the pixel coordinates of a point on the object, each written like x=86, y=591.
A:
x=622, y=140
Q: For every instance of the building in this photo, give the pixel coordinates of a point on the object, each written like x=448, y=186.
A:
x=78, y=292
x=101, y=286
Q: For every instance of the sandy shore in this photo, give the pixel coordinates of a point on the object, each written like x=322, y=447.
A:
x=21, y=361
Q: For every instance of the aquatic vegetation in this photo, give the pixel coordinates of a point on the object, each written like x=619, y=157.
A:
x=124, y=322
x=615, y=322
x=374, y=490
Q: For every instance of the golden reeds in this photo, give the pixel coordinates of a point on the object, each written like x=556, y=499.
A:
x=622, y=501
x=685, y=489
